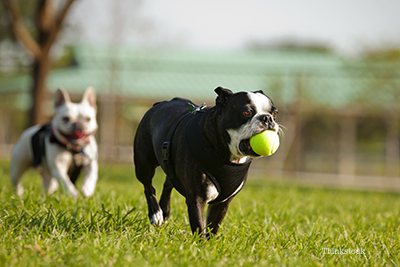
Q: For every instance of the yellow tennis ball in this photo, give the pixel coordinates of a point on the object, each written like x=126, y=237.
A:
x=265, y=143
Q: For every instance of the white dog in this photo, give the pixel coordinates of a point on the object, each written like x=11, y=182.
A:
x=60, y=149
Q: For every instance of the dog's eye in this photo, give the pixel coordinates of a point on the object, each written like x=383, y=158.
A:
x=247, y=113
x=275, y=113
x=87, y=119
x=65, y=119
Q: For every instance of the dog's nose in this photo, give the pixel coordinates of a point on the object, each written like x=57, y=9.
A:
x=267, y=119
x=77, y=126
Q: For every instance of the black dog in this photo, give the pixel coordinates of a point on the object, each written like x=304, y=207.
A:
x=205, y=153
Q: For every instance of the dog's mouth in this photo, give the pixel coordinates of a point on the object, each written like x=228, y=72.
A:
x=76, y=137
x=245, y=148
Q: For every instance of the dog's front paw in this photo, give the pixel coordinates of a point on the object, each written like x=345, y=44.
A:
x=19, y=190
x=52, y=186
x=157, y=218
x=73, y=193
x=87, y=190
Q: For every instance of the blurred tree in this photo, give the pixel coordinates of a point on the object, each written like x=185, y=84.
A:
x=38, y=39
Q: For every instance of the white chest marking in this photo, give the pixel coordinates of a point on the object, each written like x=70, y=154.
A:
x=212, y=193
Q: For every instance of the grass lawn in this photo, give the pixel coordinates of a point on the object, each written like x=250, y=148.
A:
x=268, y=224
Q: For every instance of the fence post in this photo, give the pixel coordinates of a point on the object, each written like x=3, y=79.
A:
x=347, y=145
x=392, y=146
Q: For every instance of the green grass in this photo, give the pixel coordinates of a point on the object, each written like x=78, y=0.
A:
x=268, y=224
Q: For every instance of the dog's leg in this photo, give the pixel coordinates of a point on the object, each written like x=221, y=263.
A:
x=145, y=166
x=89, y=182
x=145, y=173
x=215, y=214
x=65, y=183
x=17, y=169
x=21, y=158
x=59, y=164
x=196, y=207
x=155, y=213
x=50, y=184
x=20, y=162
x=166, y=198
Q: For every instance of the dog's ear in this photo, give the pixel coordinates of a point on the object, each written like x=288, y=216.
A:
x=61, y=97
x=90, y=97
x=223, y=95
x=259, y=91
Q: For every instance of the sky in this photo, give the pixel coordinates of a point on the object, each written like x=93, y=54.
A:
x=346, y=26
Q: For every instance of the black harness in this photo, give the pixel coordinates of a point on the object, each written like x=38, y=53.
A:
x=38, y=144
x=227, y=177
x=39, y=150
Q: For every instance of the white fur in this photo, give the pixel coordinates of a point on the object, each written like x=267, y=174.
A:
x=211, y=192
x=54, y=168
x=261, y=101
x=263, y=106
x=75, y=112
x=157, y=219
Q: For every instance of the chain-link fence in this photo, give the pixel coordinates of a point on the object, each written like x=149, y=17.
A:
x=339, y=116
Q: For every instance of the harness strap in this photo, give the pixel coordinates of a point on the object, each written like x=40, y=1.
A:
x=37, y=142
x=167, y=156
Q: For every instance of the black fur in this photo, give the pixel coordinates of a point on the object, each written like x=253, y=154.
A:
x=228, y=113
